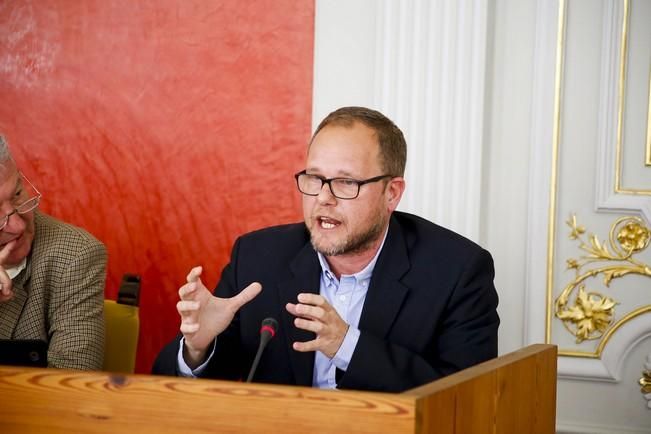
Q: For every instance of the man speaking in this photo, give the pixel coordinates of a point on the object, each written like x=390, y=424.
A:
x=366, y=297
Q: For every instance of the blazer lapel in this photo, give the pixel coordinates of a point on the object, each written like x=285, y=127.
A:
x=306, y=275
x=386, y=292
x=11, y=310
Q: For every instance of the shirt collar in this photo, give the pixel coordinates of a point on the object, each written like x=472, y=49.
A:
x=15, y=271
x=360, y=275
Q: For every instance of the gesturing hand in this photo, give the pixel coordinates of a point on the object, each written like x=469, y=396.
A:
x=6, y=285
x=204, y=316
x=315, y=314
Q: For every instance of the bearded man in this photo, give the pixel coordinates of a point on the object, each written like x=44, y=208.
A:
x=367, y=297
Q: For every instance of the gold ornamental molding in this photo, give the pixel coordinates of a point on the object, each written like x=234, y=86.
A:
x=645, y=382
x=592, y=313
x=648, y=127
x=585, y=301
x=621, y=94
x=558, y=75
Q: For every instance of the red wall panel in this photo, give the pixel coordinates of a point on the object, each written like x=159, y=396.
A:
x=164, y=127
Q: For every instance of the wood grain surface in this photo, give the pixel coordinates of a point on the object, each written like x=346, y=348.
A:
x=515, y=393
x=40, y=400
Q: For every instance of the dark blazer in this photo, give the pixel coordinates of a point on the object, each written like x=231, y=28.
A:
x=430, y=309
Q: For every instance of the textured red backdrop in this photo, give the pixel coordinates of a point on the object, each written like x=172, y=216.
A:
x=164, y=127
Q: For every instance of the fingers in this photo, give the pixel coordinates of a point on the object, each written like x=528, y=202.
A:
x=188, y=329
x=6, y=250
x=306, y=311
x=314, y=314
x=311, y=306
x=6, y=295
x=194, y=274
x=311, y=326
x=187, y=308
x=189, y=311
x=6, y=285
x=291, y=308
x=313, y=299
x=246, y=295
x=187, y=291
x=308, y=346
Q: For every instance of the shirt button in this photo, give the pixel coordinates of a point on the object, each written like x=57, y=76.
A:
x=342, y=297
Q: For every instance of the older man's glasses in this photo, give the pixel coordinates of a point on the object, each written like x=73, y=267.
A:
x=342, y=188
x=25, y=201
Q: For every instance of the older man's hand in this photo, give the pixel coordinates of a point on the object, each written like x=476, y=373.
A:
x=6, y=285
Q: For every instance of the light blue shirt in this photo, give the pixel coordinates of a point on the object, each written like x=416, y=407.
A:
x=346, y=296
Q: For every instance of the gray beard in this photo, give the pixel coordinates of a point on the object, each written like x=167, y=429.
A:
x=355, y=244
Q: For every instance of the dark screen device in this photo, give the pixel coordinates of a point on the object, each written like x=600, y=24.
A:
x=23, y=352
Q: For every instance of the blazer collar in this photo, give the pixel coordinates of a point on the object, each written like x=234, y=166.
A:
x=386, y=292
x=306, y=271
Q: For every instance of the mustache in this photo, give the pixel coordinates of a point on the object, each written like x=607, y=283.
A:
x=319, y=213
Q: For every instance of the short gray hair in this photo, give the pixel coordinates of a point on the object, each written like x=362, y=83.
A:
x=5, y=155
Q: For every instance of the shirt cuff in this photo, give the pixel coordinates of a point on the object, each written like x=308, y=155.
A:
x=184, y=369
x=347, y=348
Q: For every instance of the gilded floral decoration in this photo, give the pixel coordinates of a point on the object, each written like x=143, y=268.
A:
x=645, y=382
x=588, y=314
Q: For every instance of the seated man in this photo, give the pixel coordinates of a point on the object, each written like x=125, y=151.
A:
x=366, y=297
x=52, y=276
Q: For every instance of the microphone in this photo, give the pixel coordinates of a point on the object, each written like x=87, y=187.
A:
x=267, y=331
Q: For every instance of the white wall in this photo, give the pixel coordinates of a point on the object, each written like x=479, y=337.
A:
x=354, y=46
x=346, y=51
x=344, y=55
x=506, y=164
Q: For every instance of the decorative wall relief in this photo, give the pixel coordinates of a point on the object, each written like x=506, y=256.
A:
x=645, y=381
x=587, y=314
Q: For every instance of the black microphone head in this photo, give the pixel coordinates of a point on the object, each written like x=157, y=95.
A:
x=267, y=331
x=269, y=326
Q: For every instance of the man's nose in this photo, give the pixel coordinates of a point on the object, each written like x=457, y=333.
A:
x=15, y=223
x=326, y=195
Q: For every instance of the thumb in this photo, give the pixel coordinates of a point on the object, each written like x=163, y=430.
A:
x=246, y=295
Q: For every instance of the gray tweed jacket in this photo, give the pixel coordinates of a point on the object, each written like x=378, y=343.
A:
x=59, y=296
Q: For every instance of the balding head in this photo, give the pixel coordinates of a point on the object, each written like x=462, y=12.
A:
x=5, y=155
x=7, y=163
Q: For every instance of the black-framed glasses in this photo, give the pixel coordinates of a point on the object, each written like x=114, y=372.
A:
x=341, y=188
x=26, y=204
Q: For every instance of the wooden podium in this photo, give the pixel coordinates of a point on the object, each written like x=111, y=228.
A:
x=515, y=393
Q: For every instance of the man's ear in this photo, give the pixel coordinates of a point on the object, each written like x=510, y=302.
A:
x=394, y=190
